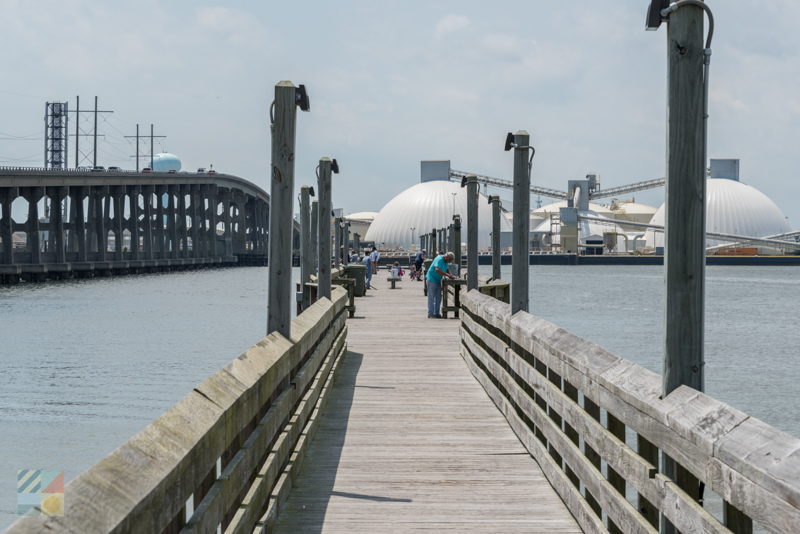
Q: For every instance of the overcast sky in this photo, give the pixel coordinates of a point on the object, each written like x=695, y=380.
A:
x=392, y=83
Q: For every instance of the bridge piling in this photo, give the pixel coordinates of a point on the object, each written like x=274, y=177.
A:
x=6, y=229
x=494, y=200
x=314, y=239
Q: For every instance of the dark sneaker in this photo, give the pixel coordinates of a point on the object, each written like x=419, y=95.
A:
x=438, y=315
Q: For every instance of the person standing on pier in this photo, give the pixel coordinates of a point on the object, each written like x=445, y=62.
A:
x=367, y=261
x=374, y=257
x=418, y=261
x=437, y=270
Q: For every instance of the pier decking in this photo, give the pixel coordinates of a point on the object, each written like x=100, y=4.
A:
x=410, y=441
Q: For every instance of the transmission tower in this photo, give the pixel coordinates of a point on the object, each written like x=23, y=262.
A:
x=56, y=117
x=144, y=138
x=80, y=157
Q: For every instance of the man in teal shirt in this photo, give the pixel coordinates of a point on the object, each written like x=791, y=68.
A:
x=436, y=271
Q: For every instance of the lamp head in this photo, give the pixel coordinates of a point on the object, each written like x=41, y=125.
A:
x=509, y=142
x=301, y=98
x=311, y=190
x=464, y=181
x=654, y=17
x=335, y=166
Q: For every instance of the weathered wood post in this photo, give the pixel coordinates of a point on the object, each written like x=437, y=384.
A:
x=346, y=242
x=314, y=239
x=494, y=200
x=357, y=243
x=684, y=247
x=521, y=233
x=337, y=238
x=305, y=244
x=457, y=240
x=324, y=189
x=434, y=243
x=471, y=181
x=280, y=214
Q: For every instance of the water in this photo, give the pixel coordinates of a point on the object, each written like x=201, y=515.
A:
x=84, y=365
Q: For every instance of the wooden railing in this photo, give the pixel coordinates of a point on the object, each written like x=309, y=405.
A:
x=226, y=454
x=597, y=426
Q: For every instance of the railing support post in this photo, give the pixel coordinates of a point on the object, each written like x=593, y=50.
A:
x=472, y=232
x=324, y=190
x=280, y=215
x=521, y=235
x=495, y=201
x=337, y=234
x=305, y=244
x=314, y=239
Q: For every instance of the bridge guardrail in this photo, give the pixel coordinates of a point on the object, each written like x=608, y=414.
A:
x=232, y=445
x=579, y=409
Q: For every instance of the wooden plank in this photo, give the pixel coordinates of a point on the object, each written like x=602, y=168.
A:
x=409, y=440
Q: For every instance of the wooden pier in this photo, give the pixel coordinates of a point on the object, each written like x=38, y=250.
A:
x=410, y=441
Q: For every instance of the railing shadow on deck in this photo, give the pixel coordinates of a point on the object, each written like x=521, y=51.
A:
x=226, y=454
x=599, y=428
x=324, y=455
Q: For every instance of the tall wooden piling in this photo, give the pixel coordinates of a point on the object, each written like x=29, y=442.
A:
x=305, y=244
x=684, y=250
x=280, y=213
x=337, y=238
x=457, y=240
x=495, y=201
x=472, y=232
x=314, y=241
x=324, y=228
x=521, y=233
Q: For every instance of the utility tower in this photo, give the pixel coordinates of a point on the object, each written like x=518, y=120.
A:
x=141, y=137
x=55, y=135
x=80, y=157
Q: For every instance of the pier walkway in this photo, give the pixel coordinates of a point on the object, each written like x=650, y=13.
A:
x=410, y=441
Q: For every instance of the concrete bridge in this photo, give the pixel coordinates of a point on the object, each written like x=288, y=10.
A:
x=390, y=422
x=122, y=221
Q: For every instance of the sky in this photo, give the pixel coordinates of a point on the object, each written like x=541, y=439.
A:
x=392, y=83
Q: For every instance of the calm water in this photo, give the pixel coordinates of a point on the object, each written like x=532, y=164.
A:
x=85, y=365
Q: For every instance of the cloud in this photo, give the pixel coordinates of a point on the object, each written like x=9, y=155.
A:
x=449, y=24
x=239, y=26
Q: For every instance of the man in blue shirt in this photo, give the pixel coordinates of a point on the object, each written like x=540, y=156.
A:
x=436, y=272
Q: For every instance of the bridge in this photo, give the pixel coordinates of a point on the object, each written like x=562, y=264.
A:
x=93, y=223
x=390, y=422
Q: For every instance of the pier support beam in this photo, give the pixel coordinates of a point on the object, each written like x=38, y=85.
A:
x=7, y=226
x=133, y=222
x=99, y=222
x=119, y=226
x=494, y=200
x=79, y=193
x=472, y=232
x=521, y=233
x=280, y=216
x=147, y=222
x=57, y=197
x=324, y=228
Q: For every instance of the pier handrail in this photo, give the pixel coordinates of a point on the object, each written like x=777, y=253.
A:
x=232, y=445
x=578, y=408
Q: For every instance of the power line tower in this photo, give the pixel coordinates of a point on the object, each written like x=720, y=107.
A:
x=56, y=118
x=143, y=138
x=80, y=157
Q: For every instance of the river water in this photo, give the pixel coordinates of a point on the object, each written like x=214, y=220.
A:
x=84, y=365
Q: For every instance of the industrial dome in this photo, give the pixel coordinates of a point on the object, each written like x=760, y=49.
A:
x=427, y=206
x=165, y=161
x=732, y=208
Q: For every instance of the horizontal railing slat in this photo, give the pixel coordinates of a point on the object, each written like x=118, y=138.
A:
x=753, y=466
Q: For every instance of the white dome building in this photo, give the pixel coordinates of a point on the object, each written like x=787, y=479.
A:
x=427, y=206
x=731, y=208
